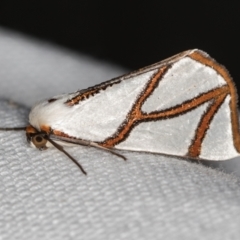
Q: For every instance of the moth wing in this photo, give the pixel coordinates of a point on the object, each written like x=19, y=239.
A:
x=172, y=107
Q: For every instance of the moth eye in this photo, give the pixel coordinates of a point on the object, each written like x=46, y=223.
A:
x=39, y=141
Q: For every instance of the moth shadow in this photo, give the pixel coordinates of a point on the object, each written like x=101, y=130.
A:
x=231, y=166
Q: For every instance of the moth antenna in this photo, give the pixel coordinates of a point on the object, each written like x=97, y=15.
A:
x=60, y=148
x=88, y=143
x=13, y=129
x=92, y=144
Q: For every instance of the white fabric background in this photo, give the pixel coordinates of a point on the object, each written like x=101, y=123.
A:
x=43, y=195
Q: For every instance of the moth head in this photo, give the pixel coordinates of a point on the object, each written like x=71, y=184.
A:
x=42, y=140
x=35, y=138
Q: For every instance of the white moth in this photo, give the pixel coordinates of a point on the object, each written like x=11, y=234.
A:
x=183, y=106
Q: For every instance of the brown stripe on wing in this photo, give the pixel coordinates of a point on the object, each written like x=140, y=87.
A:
x=90, y=92
x=221, y=70
x=195, y=148
x=187, y=105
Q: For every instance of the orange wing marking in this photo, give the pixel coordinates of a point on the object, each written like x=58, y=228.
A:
x=195, y=148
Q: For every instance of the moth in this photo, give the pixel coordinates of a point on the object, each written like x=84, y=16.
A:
x=183, y=106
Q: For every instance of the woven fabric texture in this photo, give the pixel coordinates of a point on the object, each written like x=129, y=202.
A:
x=43, y=195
